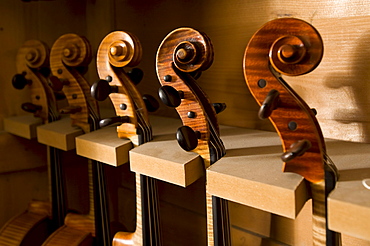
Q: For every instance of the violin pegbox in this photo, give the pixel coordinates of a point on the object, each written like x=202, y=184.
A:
x=118, y=50
x=33, y=71
x=291, y=47
x=69, y=58
x=182, y=56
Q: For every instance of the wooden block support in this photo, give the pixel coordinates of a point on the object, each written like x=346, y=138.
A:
x=251, y=174
x=163, y=158
x=103, y=145
x=22, y=125
x=349, y=203
x=59, y=134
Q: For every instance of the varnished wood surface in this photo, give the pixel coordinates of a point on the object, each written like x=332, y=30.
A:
x=344, y=24
x=293, y=47
x=32, y=59
x=30, y=227
x=117, y=51
x=68, y=53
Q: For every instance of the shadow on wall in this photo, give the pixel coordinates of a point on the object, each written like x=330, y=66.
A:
x=356, y=85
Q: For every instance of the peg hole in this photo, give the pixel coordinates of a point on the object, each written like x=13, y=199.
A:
x=262, y=83
x=292, y=125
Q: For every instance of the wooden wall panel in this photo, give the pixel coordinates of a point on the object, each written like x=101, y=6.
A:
x=336, y=89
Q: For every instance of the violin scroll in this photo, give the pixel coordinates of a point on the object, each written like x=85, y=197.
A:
x=182, y=56
x=69, y=57
x=291, y=47
x=33, y=71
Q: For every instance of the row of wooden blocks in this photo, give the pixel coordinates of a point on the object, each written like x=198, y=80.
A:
x=249, y=174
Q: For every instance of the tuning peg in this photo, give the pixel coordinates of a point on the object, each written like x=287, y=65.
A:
x=151, y=103
x=296, y=149
x=101, y=89
x=30, y=107
x=270, y=103
x=110, y=121
x=59, y=96
x=314, y=111
x=57, y=84
x=70, y=110
x=219, y=107
x=187, y=138
x=19, y=81
x=136, y=75
x=45, y=71
x=170, y=96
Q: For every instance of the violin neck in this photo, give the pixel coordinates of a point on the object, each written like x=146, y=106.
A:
x=217, y=208
x=99, y=204
x=322, y=236
x=58, y=198
x=149, y=211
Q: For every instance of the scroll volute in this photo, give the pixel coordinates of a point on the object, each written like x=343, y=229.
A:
x=184, y=54
x=70, y=54
x=33, y=71
x=118, y=50
x=290, y=47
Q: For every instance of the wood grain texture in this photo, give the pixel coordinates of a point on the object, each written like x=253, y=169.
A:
x=70, y=52
x=112, y=65
x=117, y=51
x=32, y=57
x=292, y=47
x=291, y=108
x=31, y=226
x=191, y=101
x=183, y=55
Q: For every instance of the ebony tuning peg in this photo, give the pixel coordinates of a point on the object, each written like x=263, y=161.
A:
x=136, y=75
x=56, y=84
x=101, y=89
x=110, y=121
x=45, y=71
x=297, y=149
x=187, y=138
x=270, y=103
x=30, y=107
x=59, y=96
x=219, y=107
x=151, y=103
x=170, y=96
x=19, y=81
x=70, y=110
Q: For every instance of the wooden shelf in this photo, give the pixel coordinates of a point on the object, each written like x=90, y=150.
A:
x=103, y=145
x=59, y=134
x=22, y=125
x=349, y=203
x=251, y=174
x=163, y=158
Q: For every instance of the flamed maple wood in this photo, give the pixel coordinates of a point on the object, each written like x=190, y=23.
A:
x=292, y=47
x=182, y=56
x=69, y=56
x=118, y=50
x=40, y=219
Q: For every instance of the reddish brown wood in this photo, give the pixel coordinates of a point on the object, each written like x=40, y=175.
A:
x=116, y=51
x=70, y=53
x=189, y=51
x=183, y=55
x=292, y=47
x=32, y=225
